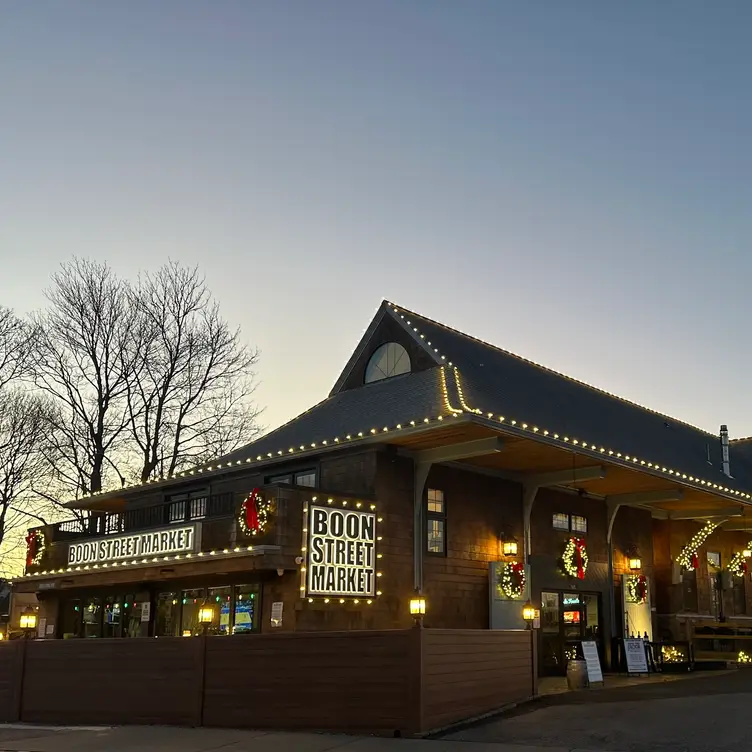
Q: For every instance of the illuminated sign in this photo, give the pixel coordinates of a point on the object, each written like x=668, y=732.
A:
x=174, y=540
x=341, y=552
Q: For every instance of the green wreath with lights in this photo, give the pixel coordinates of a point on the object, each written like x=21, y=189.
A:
x=637, y=588
x=512, y=579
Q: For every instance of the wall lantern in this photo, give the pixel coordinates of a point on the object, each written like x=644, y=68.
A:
x=2, y=636
x=28, y=621
x=747, y=553
x=205, y=614
x=635, y=563
x=418, y=610
x=528, y=613
x=509, y=547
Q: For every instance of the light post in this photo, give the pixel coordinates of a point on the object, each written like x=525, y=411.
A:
x=205, y=616
x=418, y=610
x=530, y=613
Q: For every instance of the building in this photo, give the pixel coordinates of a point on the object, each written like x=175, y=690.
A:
x=441, y=465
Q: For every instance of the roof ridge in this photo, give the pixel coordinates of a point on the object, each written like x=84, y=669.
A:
x=398, y=308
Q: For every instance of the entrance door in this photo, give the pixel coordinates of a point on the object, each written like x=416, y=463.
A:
x=566, y=620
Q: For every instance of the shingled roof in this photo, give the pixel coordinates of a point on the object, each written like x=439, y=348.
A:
x=493, y=382
x=497, y=381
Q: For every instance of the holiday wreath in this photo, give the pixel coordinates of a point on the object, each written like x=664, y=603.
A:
x=255, y=513
x=512, y=579
x=575, y=558
x=738, y=566
x=35, y=545
x=637, y=588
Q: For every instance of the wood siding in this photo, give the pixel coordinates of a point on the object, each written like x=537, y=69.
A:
x=467, y=673
x=409, y=681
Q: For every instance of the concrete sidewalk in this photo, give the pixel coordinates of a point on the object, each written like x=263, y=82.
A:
x=27, y=738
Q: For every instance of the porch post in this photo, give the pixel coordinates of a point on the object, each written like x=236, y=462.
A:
x=420, y=475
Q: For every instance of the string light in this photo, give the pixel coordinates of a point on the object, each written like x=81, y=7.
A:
x=689, y=551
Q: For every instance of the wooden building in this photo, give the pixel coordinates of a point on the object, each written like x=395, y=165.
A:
x=440, y=465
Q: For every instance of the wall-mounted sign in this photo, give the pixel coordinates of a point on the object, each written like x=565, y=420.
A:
x=277, y=608
x=341, y=552
x=174, y=540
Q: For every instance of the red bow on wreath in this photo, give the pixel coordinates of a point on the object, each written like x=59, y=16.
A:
x=251, y=511
x=695, y=561
x=579, y=545
x=518, y=567
x=32, y=547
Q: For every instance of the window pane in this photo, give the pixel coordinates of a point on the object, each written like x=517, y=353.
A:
x=71, y=619
x=579, y=524
x=435, y=499
x=113, y=614
x=93, y=618
x=246, y=609
x=177, y=511
x=561, y=522
x=167, y=618
x=192, y=601
x=198, y=508
x=436, y=536
x=131, y=616
x=220, y=599
x=280, y=479
x=307, y=478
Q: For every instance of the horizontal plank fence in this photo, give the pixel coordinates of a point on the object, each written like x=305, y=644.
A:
x=405, y=682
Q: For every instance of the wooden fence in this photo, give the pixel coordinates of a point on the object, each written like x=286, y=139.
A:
x=396, y=681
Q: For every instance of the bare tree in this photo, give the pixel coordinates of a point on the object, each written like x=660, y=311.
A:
x=190, y=395
x=23, y=441
x=84, y=357
x=16, y=346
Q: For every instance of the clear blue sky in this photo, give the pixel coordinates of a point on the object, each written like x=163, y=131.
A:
x=568, y=180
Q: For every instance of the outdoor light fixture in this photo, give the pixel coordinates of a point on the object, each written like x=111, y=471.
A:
x=509, y=547
x=635, y=563
x=418, y=610
x=205, y=614
x=747, y=553
x=28, y=621
x=528, y=613
x=2, y=636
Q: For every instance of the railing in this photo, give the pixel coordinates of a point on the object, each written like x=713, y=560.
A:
x=143, y=518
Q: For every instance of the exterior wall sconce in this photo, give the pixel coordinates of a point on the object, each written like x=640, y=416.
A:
x=418, y=610
x=28, y=620
x=747, y=553
x=528, y=614
x=635, y=563
x=509, y=547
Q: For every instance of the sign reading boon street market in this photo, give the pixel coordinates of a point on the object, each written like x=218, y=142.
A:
x=174, y=540
x=341, y=552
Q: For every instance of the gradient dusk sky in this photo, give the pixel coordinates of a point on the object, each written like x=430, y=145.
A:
x=571, y=181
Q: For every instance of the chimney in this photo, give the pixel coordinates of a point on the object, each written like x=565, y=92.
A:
x=725, y=451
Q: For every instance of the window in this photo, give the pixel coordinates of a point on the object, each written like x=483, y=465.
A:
x=167, y=618
x=567, y=523
x=187, y=506
x=579, y=524
x=388, y=360
x=436, y=521
x=246, y=616
x=299, y=478
x=176, y=511
x=306, y=478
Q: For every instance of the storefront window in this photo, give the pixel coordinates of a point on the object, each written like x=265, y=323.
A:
x=246, y=609
x=93, y=617
x=71, y=618
x=113, y=614
x=221, y=601
x=131, y=617
x=192, y=601
x=167, y=617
